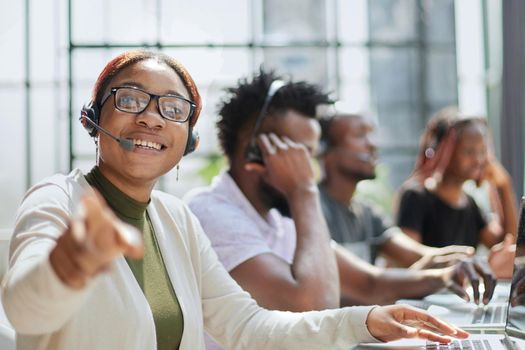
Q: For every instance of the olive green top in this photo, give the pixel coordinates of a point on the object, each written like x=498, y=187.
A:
x=149, y=271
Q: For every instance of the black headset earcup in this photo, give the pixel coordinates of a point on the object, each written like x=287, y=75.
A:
x=193, y=141
x=90, y=111
x=322, y=148
x=253, y=154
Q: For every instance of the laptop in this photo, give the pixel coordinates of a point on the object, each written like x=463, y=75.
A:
x=491, y=317
x=513, y=337
x=467, y=315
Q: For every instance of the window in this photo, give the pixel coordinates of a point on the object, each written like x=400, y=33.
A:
x=400, y=59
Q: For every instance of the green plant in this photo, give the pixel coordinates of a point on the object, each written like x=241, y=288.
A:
x=215, y=162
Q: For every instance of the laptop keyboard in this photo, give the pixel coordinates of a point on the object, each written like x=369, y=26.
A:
x=489, y=314
x=461, y=345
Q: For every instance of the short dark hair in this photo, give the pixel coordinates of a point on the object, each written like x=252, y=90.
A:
x=328, y=141
x=242, y=104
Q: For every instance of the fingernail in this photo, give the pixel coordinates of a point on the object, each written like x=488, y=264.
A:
x=78, y=228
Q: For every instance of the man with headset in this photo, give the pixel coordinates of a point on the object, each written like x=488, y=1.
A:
x=348, y=155
x=264, y=218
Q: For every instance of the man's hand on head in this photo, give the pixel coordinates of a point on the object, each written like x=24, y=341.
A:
x=286, y=166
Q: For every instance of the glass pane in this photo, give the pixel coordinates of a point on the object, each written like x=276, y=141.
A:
x=62, y=126
x=203, y=21
x=352, y=21
x=439, y=20
x=394, y=75
x=308, y=64
x=88, y=21
x=354, y=64
x=114, y=21
x=356, y=96
x=44, y=19
x=393, y=20
x=399, y=125
x=88, y=63
x=12, y=153
x=472, y=97
x=441, y=77
x=399, y=164
x=12, y=42
x=294, y=20
x=209, y=66
x=354, y=75
x=44, y=133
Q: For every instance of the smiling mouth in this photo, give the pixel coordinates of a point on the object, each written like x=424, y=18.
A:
x=148, y=144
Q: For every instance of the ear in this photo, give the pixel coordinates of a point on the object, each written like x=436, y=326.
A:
x=255, y=167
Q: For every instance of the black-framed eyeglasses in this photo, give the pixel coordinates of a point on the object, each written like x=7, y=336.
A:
x=131, y=99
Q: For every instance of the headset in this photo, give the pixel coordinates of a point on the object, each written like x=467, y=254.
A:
x=253, y=152
x=90, y=119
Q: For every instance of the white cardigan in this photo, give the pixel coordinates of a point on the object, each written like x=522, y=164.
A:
x=111, y=312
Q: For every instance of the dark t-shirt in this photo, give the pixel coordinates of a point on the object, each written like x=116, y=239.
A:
x=440, y=224
x=358, y=227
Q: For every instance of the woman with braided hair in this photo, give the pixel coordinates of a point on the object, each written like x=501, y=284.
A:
x=433, y=206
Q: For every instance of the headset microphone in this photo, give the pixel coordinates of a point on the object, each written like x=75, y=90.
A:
x=365, y=157
x=360, y=156
x=125, y=144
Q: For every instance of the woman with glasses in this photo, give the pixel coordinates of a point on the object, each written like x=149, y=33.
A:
x=126, y=267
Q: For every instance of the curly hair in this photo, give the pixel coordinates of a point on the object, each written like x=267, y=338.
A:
x=242, y=104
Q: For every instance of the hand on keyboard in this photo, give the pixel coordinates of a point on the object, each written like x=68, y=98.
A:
x=471, y=271
x=394, y=322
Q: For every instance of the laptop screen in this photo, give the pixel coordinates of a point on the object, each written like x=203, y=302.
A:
x=516, y=314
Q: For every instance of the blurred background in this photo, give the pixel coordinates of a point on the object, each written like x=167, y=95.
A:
x=400, y=59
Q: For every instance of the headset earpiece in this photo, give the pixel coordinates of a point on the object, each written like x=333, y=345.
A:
x=193, y=141
x=253, y=154
x=89, y=110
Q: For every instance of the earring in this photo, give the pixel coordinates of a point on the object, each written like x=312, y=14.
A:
x=177, y=176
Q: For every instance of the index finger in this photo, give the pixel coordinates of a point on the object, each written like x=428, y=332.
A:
x=473, y=277
x=265, y=145
x=489, y=280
